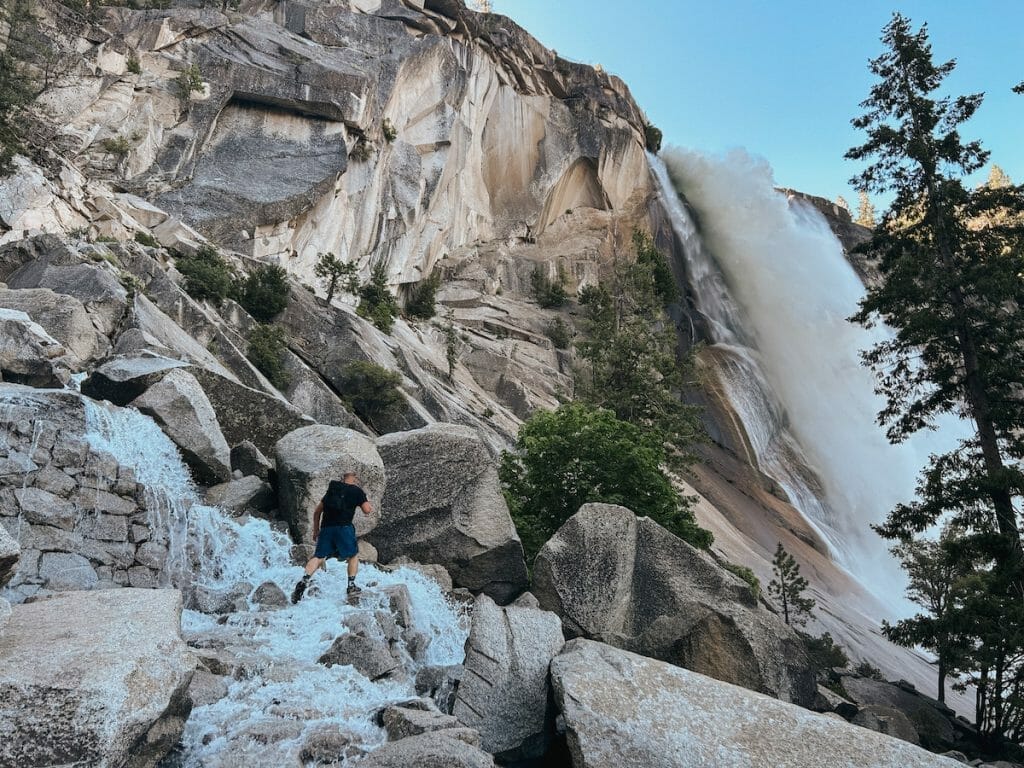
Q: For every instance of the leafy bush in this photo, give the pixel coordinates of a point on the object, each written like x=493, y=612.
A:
x=548, y=293
x=146, y=239
x=189, y=80
x=371, y=391
x=133, y=65
x=376, y=303
x=422, y=299
x=266, y=352
x=824, y=652
x=264, y=293
x=579, y=454
x=207, y=275
x=652, y=138
x=558, y=332
x=389, y=130
x=867, y=669
x=748, y=576
x=116, y=145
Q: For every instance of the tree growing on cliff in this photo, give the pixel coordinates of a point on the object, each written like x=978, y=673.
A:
x=788, y=587
x=264, y=293
x=376, y=302
x=865, y=211
x=334, y=271
x=951, y=261
x=17, y=85
x=579, y=454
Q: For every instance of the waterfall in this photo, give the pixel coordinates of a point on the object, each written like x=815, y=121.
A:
x=775, y=290
x=279, y=694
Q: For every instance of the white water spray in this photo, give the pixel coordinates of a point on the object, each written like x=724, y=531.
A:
x=279, y=694
x=777, y=294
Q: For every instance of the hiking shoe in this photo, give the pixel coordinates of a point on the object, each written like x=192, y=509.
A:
x=353, y=589
x=300, y=590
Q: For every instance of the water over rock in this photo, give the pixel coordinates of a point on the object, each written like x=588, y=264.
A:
x=443, y=504
x=623, y=710
x=628, y=582
x=112, y=690
x=247, y=494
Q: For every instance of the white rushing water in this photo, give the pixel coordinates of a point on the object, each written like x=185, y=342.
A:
x=279, y=694
x=772, y=282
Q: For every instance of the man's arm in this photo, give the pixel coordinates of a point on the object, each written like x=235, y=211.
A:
x=367, y=507
x=317, y=513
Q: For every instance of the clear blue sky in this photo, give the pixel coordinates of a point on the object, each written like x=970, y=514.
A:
x=784, y=78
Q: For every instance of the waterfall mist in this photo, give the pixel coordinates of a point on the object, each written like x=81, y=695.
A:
x=779, y=310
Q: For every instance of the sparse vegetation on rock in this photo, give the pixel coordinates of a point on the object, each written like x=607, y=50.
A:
x=264, y=293
x=372, y=391
x=376, y=302
x=207, y=274
x=266, y=351
x=548, y=292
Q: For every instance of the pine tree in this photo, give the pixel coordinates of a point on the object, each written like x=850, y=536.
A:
x=788, y=586
x=841, y=202
x=997, y=178
x=865, y=211
x=332, y=269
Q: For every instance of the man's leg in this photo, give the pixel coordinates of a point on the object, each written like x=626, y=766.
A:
x=300, y=588
x=353, y=569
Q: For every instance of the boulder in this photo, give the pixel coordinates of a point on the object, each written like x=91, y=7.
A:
x=886, y=720
x=269, y=595
x=96, y=287
x=436, y=749
x=402, y=721
x=933, y=727
x=123, y=378
x=365, y=647
x=309, y=458
x=249, y=460
x=61, y=316
x=443, y=504
x=113, y=688
x=623, y=710
x=507, y=695
x=628, y=582
x=236, y=497
x=66, y=571
x=180, y=406
x=10, y=551
x=28, y=354
x=440, y=683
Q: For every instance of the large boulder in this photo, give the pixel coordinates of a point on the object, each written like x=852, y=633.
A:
x=507, y=696
x=932, y=721
x=443, y=504
x=123, y=378
x=94, y=678
x=434, y=749
x=63, y=317
x=247, y=494
x=623, y=710
x=309, y=458
x=28, y=354
x=95, y=286
x=180, y=406
x=628, y=582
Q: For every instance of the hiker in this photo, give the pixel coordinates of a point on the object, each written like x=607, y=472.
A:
x=333, y=532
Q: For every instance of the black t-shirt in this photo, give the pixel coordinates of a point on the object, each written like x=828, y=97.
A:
x=340, y=503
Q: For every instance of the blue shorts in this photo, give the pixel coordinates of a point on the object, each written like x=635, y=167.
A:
x=337, y=541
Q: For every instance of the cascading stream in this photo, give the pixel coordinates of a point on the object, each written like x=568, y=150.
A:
x=771, y=280
x=279, y=695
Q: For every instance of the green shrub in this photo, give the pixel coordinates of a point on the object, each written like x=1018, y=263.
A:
x=362, y=151
x=867, y=669
x=824, y=652
x=264, y=293
x=266, y=352
x=376, y=303
x=133, y=65
x=579, y=454
x=653, y=262
x=748, y=576
x=207, y=275
x=558, y=332
x=652, y=138
x=333, y=270
x=371, y=391
x=548, y=293
x=422, y=299
x=116, y=145
x=389, y=130
x=146, y=239
x=190, y=79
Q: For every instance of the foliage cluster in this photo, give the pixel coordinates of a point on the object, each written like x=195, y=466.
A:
x=266, y=352
x=371, y=391
x=558, y=331
x=422, y=303
x=376, y=302
x=264, y=293
x=747, y=575
x=207, y=275
x=189, y=81
x=548, y=292
x=334, y=271
x=788, y=587
x=580, y=454
x=17, y=83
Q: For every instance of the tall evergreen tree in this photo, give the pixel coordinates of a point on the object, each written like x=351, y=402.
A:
x=997, y=178
x=865, y=211
x=788, y=587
